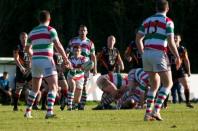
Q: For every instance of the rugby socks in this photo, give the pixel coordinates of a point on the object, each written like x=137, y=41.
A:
x=187, y=95
x=84, y=92
x=150, y=102
x=16, y=99
x=64, y=95
x=161, y=96
x=43, y=100
x=83, y=98
x=30, y=101
x=70, y=98
x=106, y=99
x=51, y=96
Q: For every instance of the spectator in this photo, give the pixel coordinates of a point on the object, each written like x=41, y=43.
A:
x=5, y=90
x=176, y=92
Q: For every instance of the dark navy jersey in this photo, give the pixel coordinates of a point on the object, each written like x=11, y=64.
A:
x=182, y=53
x=108, y=58
x=132, y=51
x=23, y=56
x=58, y=59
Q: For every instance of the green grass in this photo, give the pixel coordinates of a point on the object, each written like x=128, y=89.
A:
x=176, y=118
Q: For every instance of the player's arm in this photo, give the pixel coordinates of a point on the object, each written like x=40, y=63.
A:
x=60, y=49
x=139, y=38
x=17, y=60
x=68, y=49
x=139, y=42
x=127, y=54
x=174, y=51
x=120, y=62
x=93, y=58
x=187, y=62
x=171, y=42
x=100, y=58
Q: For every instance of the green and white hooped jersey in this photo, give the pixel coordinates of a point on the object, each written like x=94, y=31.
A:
x=118, y=79
x=140, y=90
x=141, y=77
x=77, y=73
x=87, y=46
x=41, y=38
x=156, y=29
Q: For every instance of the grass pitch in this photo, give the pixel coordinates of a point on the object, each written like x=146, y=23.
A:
x=176, y=118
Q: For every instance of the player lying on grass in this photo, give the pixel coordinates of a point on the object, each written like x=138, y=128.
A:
x=112, y=84
x=134, y=97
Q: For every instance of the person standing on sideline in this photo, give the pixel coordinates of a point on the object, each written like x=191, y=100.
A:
x=5, y=90
x=40, y=46
x=87, y=50
x=157, y=32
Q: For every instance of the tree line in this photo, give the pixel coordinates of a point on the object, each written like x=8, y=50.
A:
x=103, y=17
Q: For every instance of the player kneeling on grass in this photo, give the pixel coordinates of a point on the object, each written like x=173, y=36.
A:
x=134, y=97
x=75, y=77
x=112, y=84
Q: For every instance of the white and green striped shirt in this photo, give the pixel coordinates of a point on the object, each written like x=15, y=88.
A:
x=156, y=29
x=41, y=38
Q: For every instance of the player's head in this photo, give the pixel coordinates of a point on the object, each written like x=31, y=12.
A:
x=23, y=38
x=177, y=38
x=83, y=31
x=77, y=50
x=44, y=17
x=162, y=6
x=111, y=40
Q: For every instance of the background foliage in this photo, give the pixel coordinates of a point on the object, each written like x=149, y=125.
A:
x=102, y=17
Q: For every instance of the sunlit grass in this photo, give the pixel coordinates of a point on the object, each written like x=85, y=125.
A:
x=177, y=117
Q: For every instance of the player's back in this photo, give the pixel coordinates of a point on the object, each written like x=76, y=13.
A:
x=156, y=29
x=41, y=39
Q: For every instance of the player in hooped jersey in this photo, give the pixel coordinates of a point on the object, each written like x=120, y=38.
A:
x=40, y=46
x=157, y=31
x=138, y=85
x=62, y=83
x=75, y=78
x=88, y=50
x=112, y=85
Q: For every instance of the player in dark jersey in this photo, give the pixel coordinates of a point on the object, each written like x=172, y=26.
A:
x=184, y=72
x=61, y=79
x=109, y=57
x=133, y=56
x=23, y=72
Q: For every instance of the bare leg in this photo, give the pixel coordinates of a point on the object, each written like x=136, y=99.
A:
x=185, y=83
